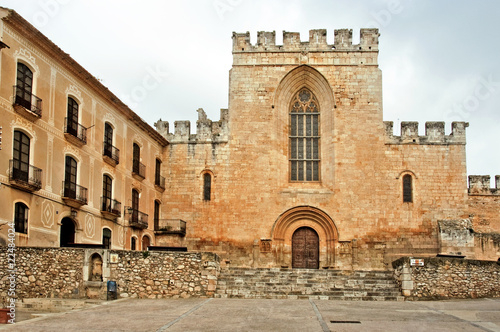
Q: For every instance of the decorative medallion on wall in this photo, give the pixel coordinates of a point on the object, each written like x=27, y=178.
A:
x=121, y=236
x=89, y=226
x=47, y=214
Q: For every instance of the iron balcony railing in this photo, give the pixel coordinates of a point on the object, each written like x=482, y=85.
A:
x=111, y=152
x=138, y=168
x=136, y=218
x=25, y=174
x=170, y=226
x=75, y=129
x=160, y=181
x=27, y=100
x=111, y=206
x=75, y=192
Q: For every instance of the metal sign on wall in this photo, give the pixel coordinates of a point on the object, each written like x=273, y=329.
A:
x=416, y=262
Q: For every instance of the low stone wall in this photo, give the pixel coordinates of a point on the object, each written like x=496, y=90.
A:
x=447, y=278
x=82, y=273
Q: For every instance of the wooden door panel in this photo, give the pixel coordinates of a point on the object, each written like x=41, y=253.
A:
x=305, y=249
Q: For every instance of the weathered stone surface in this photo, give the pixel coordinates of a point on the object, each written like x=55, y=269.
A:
x=61, y=273
x=446, y=278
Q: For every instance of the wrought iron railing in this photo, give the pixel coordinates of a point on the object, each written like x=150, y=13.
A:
x=25, y=173
x=138, y=168
x=136, y=218
x=27, y=100
x=111, y=152
x=75, y=192
x=111, y=206
x=75, y=129
x=170, y=226
x=160, y=181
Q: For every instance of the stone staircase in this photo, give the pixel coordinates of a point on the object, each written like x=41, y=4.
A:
x=278, y=283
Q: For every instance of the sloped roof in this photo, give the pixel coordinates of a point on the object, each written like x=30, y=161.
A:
x=27, y=30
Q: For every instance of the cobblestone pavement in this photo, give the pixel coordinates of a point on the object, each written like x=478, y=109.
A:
x=271, y=315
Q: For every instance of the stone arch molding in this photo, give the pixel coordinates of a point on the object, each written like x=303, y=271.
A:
x=304, y=76
x=304, y=216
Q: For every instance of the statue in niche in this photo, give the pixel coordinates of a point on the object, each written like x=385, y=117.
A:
x=96, y=268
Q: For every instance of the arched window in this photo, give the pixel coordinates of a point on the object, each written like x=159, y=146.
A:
x=21, y=156
x=70, y=174
x=133, y=243
x=107, y=184
x=24, y=88
x=108, y=140
x=158, y=178
x=407, y=189
x=135, y=206
x=21, y=218
x=106, y=238
x=72, y=117
x=157, y=215
x=136, y=158
x=304, y=137
x=207, y=186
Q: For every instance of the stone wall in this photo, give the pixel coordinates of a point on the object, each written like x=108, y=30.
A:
x=446, y=278
x=72, y=273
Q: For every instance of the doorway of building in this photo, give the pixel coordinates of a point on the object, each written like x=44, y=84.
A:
x=145, y=242
x=67, y=232
x=305, y=249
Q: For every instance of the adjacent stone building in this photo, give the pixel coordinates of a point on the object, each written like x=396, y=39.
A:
x=300, y=170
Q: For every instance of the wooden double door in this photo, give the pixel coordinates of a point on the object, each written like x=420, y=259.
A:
x=305, y=249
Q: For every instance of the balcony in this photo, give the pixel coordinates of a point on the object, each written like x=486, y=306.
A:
x=160, y=182
x=111, y=154
x=27, y=104
x=136, y=218
x=138, y=170
x=170, y=226
x=75, y=132
x=24, y=176
x=110, y=208
x=74, y=195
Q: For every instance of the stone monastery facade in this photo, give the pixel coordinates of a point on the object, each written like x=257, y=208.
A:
x=300, y=171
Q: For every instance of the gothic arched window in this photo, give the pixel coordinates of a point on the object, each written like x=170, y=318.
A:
x=304, y=137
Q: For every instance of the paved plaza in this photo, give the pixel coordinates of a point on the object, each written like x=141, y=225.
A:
x=270, y=315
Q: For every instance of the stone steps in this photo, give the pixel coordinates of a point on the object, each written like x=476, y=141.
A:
x=307, y=284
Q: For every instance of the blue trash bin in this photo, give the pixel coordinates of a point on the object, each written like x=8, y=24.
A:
x=112, y=291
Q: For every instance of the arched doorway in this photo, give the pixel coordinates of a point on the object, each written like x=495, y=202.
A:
x=319, y=227
x=67, y=232
x=305, y=249
x=146, y=242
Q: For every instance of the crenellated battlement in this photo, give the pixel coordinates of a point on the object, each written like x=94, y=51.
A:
x=480, y=185
x=207, y=131
x=434, y=133
x=266, y=41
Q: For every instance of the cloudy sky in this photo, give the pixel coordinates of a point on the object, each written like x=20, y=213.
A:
x=439, y=59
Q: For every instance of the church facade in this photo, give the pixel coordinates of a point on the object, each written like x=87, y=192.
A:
x=300, y=171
